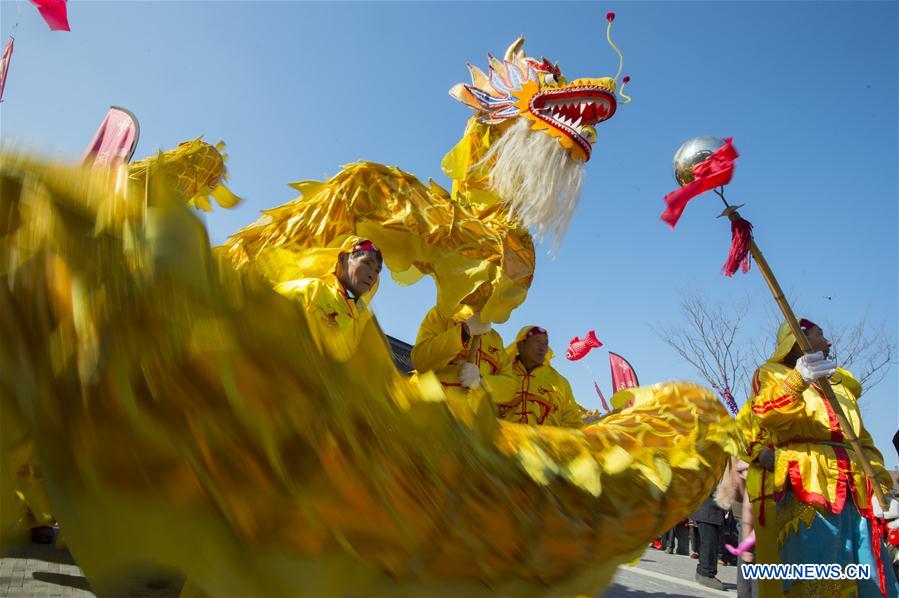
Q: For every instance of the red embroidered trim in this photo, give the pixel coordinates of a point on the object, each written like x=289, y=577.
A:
x=756, y=383
x=525, y=397
x=813, y=498
x=836, y=433
x=778, y=403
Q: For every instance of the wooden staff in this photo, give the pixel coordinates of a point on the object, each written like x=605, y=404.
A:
x=473, y=350
x=733, y=215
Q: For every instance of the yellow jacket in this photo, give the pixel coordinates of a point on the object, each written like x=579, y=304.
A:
x=811, y=453
x=439, y=348
x=542, y=396
x=336, y=320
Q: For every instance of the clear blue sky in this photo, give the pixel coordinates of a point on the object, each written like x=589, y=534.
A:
x=807, y=89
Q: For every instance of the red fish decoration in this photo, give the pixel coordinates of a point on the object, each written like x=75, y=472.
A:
x=54, y=12
x=578, y=348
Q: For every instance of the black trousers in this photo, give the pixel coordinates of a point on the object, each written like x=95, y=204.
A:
x=708, y=549
x=679, y=536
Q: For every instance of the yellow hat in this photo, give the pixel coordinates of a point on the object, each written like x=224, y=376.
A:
x=523, y=334
x=279, y=264
x=786, y=339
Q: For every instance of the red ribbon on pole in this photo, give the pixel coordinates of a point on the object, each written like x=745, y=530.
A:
x=4, y=64
x=605, y=405
x=714, y=171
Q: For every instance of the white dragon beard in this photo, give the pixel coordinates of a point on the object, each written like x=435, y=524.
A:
x=537, y=178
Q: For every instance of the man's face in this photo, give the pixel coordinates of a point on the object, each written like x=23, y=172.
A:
x=362, y=271
x=532, y=350
x=817, y=340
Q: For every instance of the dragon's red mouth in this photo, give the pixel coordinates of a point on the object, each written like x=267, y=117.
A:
x=574, y=111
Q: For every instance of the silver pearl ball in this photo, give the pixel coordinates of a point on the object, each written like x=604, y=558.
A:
x=691, y=153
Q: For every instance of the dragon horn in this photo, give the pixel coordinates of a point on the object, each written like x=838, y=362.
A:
x=514, y=49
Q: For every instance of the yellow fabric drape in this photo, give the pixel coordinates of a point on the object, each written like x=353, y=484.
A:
x=185, y=402
x=479, y=258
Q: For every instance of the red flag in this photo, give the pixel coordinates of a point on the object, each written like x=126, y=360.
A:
x=714, y=171
x=601, y=398
x=4, y=65
x=623, y=375
x=115, y=140
x=54, y=12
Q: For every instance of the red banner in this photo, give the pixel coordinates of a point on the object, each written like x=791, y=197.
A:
x=115, y=140
x=4, y=65
x=623, y=375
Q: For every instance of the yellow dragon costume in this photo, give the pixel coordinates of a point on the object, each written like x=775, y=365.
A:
x=177, y=398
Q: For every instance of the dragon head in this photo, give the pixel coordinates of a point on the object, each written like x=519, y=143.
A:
x=531, y=135
x=523, y=87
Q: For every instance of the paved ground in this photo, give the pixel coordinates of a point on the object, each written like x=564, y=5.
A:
x=43, y=571
x=661, y=574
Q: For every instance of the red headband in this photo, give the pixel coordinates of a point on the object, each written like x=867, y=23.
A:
x=366, y=245
x=806, y=324
x=535, y=330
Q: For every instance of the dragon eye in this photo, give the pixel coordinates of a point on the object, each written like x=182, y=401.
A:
x=550, y=79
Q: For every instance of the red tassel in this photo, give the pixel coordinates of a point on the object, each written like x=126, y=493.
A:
x=739, y=257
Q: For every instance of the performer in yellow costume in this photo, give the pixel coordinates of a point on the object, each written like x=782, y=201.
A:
x=811, y=500
x=465, y=354
x=542, y=395
x=334, y=286
x=176, y=395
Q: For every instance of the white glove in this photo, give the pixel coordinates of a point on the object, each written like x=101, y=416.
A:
x=476, y=327
x=891, y=513
x=469, y=375
x=814, y=366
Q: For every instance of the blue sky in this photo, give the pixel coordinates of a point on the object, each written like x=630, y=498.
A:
x=808, y=90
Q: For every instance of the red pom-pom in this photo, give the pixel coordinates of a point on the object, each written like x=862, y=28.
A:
x=610, y=16
x=626, y=79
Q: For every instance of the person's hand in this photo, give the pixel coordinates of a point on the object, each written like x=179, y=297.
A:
x=469, y=375
x=766, y=459
x=814, y=366
x=476, y=327
x=891, y=513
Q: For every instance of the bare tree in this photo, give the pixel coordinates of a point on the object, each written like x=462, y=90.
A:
x=866, y=351
x=709, y=342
